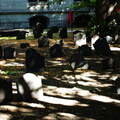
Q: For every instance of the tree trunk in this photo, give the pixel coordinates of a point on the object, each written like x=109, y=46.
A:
x=105, y=10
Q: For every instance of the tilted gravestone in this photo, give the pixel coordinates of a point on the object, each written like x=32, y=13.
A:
x=117, y=85
x=63, y=33
x=49, y=34
x=56, y=51
x=35, y=62
x=80, y=38
x=9, y=53
x=85, y=50
x=101, y=47
x=108, y=63
x=1, y=52
x=29, y=51
x=43, y=41
x=5, y=91
x=30, y=87
x=77, y=61
x=21, y=35
x=24, y=45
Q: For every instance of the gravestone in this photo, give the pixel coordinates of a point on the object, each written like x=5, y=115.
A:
x=101, y=47
x=117, y=85
x=77, y=61
x=108, y=63
x=85, y=50
x=1, y=52
x=80, y=38
x=54, y=29
x=56, y=51
x=5, y=91
x=29, y=51
x=24, y=45
x=35, y=62
x=93, y=40
x=109, y=39
x=49, y=34
x=43, y=41
x=9, y=53
x=63, y=33
x=21, y=35
x=30, y=87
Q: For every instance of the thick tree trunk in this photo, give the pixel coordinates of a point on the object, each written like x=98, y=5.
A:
x=105, y=9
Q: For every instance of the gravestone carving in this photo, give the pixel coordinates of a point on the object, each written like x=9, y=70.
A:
x=9, y=53
x=108, y=63
x=49, y=34
x=24, y=45
x=101, y=47
x=5, y=91
x=63, y=33
x=43, y=41
x=117, y=85
x=77, y=61
x=30, y=87
x=21, y=35
x=1, y=52
x=35, y=62
x=80, y=38
x=56, y=51
x=85, y=50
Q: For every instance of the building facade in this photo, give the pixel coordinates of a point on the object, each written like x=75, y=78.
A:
x=17, y=14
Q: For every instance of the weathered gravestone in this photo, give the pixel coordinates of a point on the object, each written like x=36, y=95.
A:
x=79, y=38
x=1, y=52
x=9, y=53
x=5, y=91
x=49, y=34
x=29, y=51
x=108, y=63
x=63, y=33
x=56, y=51
x=30, y=87
x=77, y=61
x=24, y=45
x=43, y=41
x=21, y=35
x=117, y=85
x=85, y=50
x=101, y=47
x=35, y=62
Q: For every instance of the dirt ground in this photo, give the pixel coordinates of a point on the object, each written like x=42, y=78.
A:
x=68, y=95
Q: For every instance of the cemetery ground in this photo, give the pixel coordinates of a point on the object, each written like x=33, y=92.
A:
x=68, y=95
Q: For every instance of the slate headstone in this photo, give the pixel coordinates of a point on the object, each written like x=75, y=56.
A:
x=29, y=51
x=5, y=91
x=24, y=45
x=77, y=61
x=63, y=33
x=101, y=47
x=108, y=63
x=21, y=35
x=30, y=87
x=35, y=62
x=85, y=50
x=9, y=53
x=49, y=34
x=43, y=41
x=56, y=51
x=54, y=29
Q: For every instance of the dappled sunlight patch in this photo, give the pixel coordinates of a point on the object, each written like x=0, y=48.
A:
x=6, y=116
